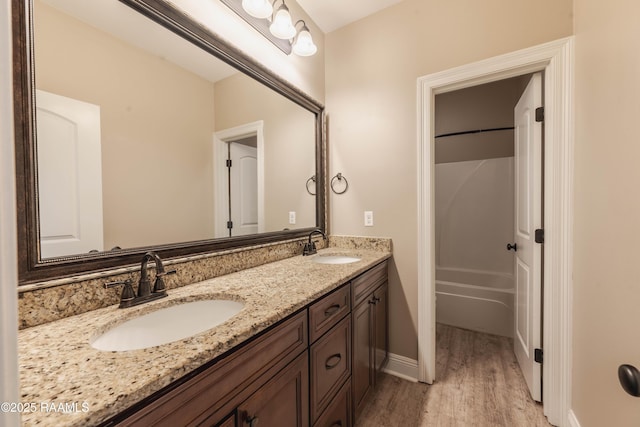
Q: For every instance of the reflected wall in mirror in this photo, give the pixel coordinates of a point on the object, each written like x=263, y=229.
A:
x=143, y=139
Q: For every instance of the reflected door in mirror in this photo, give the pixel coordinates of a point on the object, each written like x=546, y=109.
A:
x=243, y=187
x=69, y=176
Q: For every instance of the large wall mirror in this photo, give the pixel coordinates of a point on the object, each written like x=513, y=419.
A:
x=138, y=129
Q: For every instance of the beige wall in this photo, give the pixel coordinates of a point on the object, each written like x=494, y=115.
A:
x=289, y=146
x=607, y=211
x=371, y=72
x=156, y=130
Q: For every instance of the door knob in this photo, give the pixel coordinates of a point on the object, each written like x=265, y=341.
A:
x=513, y=247
x=629, y=377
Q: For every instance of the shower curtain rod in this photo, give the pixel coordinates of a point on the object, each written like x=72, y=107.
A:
x=466, y=132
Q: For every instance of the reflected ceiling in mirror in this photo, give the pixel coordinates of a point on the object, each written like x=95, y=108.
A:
x=142, y=137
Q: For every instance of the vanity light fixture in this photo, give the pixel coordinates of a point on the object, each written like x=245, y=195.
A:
x=260, y=9
x=275, y=24
x=303, y=44
x=281, y=25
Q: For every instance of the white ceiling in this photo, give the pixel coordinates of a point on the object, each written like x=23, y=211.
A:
x=330, y=15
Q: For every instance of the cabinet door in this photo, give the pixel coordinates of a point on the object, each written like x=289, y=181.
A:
x=381, y=325
x=283, y=401
x=338, y=413
x=362, y=372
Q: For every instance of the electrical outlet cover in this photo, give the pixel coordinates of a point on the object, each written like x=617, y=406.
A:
x=368, y=218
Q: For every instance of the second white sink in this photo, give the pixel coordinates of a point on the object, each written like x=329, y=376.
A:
x=167, y=325
x=335, y=259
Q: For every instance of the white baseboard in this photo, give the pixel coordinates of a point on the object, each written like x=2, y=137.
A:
x=402, y=367
x=573, y=420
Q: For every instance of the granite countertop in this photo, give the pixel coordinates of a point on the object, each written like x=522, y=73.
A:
x=65, y=381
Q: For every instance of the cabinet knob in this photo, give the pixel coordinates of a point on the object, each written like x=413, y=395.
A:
x=252, y=421
x=629, y=377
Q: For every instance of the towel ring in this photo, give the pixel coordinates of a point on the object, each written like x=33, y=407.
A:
x=312, y=179
x=340, y=178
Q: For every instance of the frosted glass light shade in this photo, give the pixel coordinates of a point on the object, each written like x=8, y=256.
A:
x=258, y=8
x=282, y=27
x=304, y=45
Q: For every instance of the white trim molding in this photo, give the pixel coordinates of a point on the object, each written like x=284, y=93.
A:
x=9, y=386
x=555, y=59
x=402, y=367
x=573, y=420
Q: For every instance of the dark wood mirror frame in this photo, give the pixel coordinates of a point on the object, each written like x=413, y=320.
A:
x=31, y=267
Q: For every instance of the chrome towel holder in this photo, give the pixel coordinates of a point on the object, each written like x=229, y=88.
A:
x=338, y=179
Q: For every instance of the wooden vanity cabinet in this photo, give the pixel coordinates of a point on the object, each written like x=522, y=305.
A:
x=314, y=368
x=370, y=331
x=212, y=395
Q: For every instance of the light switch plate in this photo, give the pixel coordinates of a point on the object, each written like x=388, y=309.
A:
x=368, y=218
x=292, y=217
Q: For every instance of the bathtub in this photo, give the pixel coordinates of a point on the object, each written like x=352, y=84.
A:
x=475, y=300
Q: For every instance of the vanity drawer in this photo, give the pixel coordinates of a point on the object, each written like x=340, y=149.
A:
x=338, y=413
x=364, y=284
x=328, y=311
x=330, y=365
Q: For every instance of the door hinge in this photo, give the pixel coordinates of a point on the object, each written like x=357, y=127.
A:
x=229, y=225
x=537, y=355
x=540, y=114
x=539, y=235
x=229, y=163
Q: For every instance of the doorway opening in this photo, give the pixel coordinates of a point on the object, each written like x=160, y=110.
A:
x=488, y=202
x=556, y=61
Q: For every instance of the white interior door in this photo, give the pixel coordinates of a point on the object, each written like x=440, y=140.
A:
x=528, y=218
x=69, y=175
x=244, y=189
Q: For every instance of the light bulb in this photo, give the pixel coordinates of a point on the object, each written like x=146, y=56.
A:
x=281, y=27
x=304, y=46
x=258, y=8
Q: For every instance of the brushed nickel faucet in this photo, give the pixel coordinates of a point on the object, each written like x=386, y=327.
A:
x=128, y=298
x=310, y=246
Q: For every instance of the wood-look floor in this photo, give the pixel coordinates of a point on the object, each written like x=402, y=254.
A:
x=478, y=383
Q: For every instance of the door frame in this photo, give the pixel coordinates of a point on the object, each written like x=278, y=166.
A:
x=556, y=60
x=220, y=139
x=10, y=387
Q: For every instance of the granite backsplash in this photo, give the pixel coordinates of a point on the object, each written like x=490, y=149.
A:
x=49, y=301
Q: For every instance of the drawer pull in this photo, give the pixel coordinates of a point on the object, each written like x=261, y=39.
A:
x=332, y=361
x=337, y=424
x=331, y=310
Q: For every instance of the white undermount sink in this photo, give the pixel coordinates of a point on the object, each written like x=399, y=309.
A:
x=167, y=325
x=334, y=259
